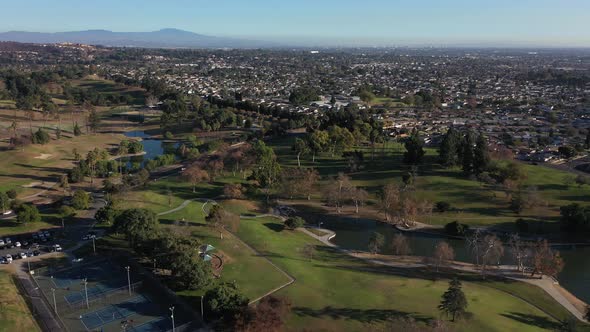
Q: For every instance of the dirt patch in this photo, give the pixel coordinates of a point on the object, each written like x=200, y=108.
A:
x=44, y=156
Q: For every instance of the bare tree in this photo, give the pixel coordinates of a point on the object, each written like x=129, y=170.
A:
x=443, y=253
x=390, y=200
x=308, y=251
x=546, y=261
x=336, y=192
x=521, y=252
x=151, y=101
x=491, y=251
x=195, y=175
x=358, y=196
x=400, y=245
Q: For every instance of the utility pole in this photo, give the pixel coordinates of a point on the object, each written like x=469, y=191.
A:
x=54, y=301
x=93, y=245
x=172, y=316
x=128, y=278
x=29, y=264
x=85, y=281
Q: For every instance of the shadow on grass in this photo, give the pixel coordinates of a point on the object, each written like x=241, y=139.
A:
x=533, y=320
x=275, y=227
x=361, y=315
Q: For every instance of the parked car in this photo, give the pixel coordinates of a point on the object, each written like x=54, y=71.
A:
x=23, y=255
x=36, y=253
x=29, y=254
x=8, y=258
x=17, y=244
x=56, y=247
x=8, y=240
x=35, y=245
x=1, y=242
x=3, y=260
x=77, y=260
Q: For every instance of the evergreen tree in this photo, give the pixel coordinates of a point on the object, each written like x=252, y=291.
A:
x=481, y=157
x=453, y=301
x=77, y=131
x=414, y=150
x=467, y=155
x=448, y=148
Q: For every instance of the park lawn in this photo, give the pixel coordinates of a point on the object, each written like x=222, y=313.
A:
x=108, y=87
x=15, y=314
x=472, y=203
x=252, y=273
x=340, y=293
x=45, y=163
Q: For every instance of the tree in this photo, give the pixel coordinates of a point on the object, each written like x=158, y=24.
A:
x=190, y=271
x=456, y=229
x=521, y=252
x=138, y=225
x=41, y=137
x=27, y=213
x=341, y=139
x=224, y=301
x=106, y=215
x=4, y=202
x=567, y=151
x=358, y=196
x=66, y=212
x=93, y=120
x=294, y=222
x=267, y=170
x=77, y=130
x=467, y=154
x=269, y=315
x=481, y=156
x=195, y=175
x=400, y=245
x=81, y=200
x=64, y=183
x=318, y=142
x=390, y=200
x=300, y=147
x=546, y=261
x=454, y=302
x=575, y=218
x=492, y=250
x=376, y=242
x=220, y=219
x=336, y=192
x=11, y=194
x=414, y=150
x=443, y=253
x=309, y=250
x=448, y=148
x=233, y=191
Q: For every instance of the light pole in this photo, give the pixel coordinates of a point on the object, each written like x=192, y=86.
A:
x=128, y=278
x=172, y=316
x=85, y=281
x=202, y=312
x=29, y=264
x=93, y=246
x=54, y=301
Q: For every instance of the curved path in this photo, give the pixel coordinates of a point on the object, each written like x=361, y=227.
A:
x=545, y=283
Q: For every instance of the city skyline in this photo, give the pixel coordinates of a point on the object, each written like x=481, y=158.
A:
x=329, y=23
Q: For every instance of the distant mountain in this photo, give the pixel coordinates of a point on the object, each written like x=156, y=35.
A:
x=165, y=38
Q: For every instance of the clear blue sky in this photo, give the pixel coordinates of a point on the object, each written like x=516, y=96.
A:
x=438, y=22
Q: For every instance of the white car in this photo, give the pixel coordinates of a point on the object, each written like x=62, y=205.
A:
x=56, y=247
x=23, y=255
x=8, y=240
x=77, y=260
x=17, y=244
x=7, y=212
x=9, y=258
x=1, y=242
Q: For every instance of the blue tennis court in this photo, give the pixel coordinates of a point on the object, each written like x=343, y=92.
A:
x=158, y=324
x=111, y=313
x=93, y=293
x=95, y=272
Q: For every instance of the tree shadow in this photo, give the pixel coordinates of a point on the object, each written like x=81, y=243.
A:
x=361, y=315
x=275, y=227
x=533, y=320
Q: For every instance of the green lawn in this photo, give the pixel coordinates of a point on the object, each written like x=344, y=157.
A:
x=472, y=203
x=340, y=293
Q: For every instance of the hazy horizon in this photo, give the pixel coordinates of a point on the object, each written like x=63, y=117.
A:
x=541, y=23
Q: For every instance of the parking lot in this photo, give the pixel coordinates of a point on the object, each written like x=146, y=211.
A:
x=23, y=246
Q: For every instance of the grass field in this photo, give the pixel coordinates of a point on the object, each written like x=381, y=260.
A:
x=14, y=312
x=336, y=292
x=472, y=203
x=107, y=87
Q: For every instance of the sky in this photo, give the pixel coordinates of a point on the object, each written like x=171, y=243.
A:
x=322, y=22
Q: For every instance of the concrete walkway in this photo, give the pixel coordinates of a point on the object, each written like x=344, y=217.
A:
x=545, y=283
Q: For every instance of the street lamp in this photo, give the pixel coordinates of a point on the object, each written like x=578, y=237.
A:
x=85, y=281
x=128, y=278
x=172, y=316
x=54, y=301
x=202, y=312
x=93, y=245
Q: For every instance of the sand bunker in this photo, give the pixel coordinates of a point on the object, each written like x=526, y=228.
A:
x=44, y=156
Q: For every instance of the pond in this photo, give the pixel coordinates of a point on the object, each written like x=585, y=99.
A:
x=151, y=146
x=354, y=233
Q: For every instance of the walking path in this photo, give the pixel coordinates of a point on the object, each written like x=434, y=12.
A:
x=545, y=283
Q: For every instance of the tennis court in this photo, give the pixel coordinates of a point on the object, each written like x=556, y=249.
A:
x=138, y=305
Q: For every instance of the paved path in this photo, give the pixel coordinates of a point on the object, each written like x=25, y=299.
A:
x=545, y=283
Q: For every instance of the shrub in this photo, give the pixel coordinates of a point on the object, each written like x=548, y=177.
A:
x=168, y=135
x=294, y=222
x=81, y=200
x=455, y=228
x=11, y=194
x=28, y=213
x=443, y=206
